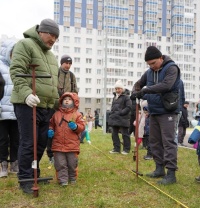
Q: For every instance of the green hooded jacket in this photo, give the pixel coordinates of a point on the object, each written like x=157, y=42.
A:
x=32, y=50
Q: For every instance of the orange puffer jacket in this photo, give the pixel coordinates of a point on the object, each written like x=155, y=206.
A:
x=65, y=139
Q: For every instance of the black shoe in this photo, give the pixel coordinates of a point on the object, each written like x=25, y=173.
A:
x=159, y=172
x=170, y=178
x=26, y=188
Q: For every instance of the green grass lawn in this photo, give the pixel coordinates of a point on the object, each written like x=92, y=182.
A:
x=106, y=180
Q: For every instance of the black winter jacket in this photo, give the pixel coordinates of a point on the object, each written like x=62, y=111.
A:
x=120, y=111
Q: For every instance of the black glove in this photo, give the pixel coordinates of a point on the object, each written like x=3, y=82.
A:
x=138, y=95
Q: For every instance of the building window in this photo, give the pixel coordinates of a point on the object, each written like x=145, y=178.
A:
x=130, y=73
x=66, y=39
x=77, y=79
x=66, y=49
x=89, y=31
x=77, y=20
x=98, y=91
x=77, y=40
x=98, y=101
x=87, y=90
x=88, y=80
x=77, y=60
x=77, y=30
x=77, y=50
x=130, y=83
x=88, y=51
x=98, y=71
x=88, y=41
x=88, y=71
x=88, y=60
x=87, y=100
x=66, y=29
x=76, y=70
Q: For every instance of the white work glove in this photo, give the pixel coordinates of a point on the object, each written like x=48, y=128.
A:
x=32, y=100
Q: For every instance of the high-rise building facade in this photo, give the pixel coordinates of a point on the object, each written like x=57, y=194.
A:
x=107, y=40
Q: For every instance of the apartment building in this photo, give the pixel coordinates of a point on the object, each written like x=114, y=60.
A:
x=107, y=40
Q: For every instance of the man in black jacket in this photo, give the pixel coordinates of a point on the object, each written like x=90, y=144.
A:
x=160, y=81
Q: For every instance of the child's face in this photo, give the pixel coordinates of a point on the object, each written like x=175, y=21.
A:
x=67, y=101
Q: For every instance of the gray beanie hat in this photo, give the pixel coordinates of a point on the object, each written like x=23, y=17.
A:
x=49, y=26
x=65, y=59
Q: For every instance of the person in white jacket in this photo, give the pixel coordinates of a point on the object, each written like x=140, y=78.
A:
x=9, y=136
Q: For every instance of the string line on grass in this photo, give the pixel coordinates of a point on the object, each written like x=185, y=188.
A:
x=164, y=193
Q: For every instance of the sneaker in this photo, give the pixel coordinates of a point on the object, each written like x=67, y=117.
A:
x=114, y=152
x=26, y=188
x=197, y=179
x=63, y=183
x=3, y=169
x=14, y=167
x=124, y=153
x=148, y=157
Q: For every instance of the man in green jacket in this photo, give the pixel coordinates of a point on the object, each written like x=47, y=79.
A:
x=34, y=49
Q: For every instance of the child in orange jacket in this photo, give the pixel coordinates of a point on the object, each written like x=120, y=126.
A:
x=65, y=128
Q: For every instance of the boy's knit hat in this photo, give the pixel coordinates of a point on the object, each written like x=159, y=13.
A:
x=65, y=59
x=152, y=53
x=49, y=26
x=119, y=84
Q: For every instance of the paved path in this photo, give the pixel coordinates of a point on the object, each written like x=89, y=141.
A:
x=185, y=142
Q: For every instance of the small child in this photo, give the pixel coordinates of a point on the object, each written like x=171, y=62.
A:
x=85, y=133
x=65, y=128
x=148, y=156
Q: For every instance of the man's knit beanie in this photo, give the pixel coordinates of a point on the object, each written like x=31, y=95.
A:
x=65, y=59
x=49, y=26
x=152, y=53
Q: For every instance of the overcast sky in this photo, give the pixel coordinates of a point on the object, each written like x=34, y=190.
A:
x=16, y=16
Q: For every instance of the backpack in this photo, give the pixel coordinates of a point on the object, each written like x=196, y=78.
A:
x=71, y=78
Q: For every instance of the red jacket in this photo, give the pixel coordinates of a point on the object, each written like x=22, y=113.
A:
x=65, y=139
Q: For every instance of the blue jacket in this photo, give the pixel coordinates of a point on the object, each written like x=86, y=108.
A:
x=154, y=100
x=7, y=110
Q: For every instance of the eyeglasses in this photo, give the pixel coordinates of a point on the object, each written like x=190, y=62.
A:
x=53, y=36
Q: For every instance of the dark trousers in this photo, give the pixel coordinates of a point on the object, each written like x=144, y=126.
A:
x=161, y=137
x=181, y=134
x=9, y=140
x=146, y=138
x=24, y=115
x=132, y=127
x=125, y=137
x=96, y=123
